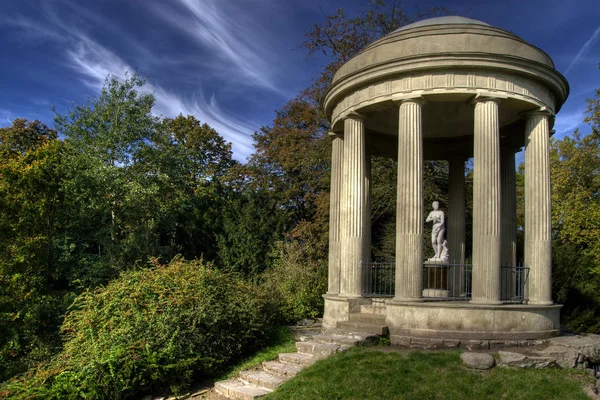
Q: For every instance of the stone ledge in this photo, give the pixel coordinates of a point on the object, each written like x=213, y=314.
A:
x=468, y=344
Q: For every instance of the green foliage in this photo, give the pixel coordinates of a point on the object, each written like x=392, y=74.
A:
x=121, y=187
x=32, y=292
x=251, y=224
x=147, y=330
x=576, y=286
x=363, y=373
x=575, y=165
x=296, y=282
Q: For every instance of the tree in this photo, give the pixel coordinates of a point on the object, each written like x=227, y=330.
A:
x=575, y=167
x=189, y=161
x=32, y=289
x=341, y=36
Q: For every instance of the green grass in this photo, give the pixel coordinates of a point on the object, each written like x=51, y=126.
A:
x=281, y=342
x=362, y=373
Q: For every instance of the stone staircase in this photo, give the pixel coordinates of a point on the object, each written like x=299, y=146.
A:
x=253, y=384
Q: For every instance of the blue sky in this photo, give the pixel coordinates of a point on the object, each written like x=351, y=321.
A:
x=233, y=62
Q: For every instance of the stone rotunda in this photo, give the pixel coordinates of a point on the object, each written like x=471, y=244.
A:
x=447, y=88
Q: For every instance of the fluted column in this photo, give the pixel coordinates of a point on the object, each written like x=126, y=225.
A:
x=409, y=203
x=337, y=157
x=456, y=210
x=367, y=221
x=508, y=228
x=538, y=217
x=486, y=203
x=354, y=208
x=456, y=224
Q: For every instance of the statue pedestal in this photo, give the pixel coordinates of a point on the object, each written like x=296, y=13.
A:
x=435, y=278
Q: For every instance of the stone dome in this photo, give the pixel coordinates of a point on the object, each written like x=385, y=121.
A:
x=440, y=44
x=451, y=19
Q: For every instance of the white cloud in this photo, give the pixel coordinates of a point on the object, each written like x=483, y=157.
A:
x=238, y=44
x=567, y=122
x=6, y=118
x=94, y=62
x=584, y=49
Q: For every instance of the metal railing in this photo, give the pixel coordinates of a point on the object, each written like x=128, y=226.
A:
x=514, y=284
x=444, y=282
x=380, y=279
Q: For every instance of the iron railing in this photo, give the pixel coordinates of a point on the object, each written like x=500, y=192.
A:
x=514, y=284
x=380, y=279
x=444, y=282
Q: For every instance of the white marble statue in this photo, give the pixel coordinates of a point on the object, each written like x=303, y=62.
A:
x=437, y=233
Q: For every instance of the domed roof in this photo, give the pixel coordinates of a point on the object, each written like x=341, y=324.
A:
x=451, y=19
x=449, y=38
x=442, y=54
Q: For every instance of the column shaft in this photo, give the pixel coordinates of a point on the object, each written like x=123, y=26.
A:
x=337, y=156
x=367, y=227
x=354, y=208
x=456, y=211
x=538, y=213
x=486, y=204
x=456, y=225
x=409, y=203
x=508, y=239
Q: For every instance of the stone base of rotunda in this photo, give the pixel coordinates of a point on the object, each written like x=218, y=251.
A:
x=464, y=321
x=338, y=308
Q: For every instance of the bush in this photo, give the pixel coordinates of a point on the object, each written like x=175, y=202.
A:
x=577, y=287
x=296, y=282
x=147, y=330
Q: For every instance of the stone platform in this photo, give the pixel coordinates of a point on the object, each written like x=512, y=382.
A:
x=450, y=321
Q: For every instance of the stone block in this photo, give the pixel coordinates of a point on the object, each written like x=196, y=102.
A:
x=262, y=379
x=281, y=369
x=518, y=360
x=570, y=351
x=480, y=361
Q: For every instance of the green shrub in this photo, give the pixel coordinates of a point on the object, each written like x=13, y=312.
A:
x=147, y=330
x=295, y=284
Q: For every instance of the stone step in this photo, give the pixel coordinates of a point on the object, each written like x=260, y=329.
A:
x=319, y=350
x=363, y=327
x=281, y=369
x=369, y=318
x=351, y=339
x=297, y=358
x=262, y=379
x=237, y=389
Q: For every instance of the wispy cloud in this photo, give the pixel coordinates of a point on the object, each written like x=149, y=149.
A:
x=243, y=52
x=584, y=49
x=6, y=118
x=93, y=62
x=567, y=122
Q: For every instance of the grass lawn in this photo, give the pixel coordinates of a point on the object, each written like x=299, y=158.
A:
x=369, y=373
